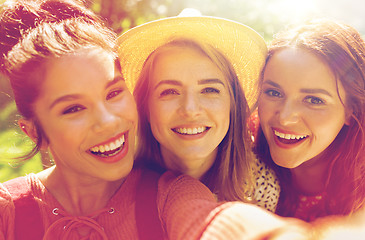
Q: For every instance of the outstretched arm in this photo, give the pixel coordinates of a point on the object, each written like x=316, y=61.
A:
x=246, y=221
x=189, y=210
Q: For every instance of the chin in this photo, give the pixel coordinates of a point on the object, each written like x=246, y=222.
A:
x=287, y=164
x=116, y=174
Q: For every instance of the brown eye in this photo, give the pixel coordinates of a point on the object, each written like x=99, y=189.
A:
x=272, y=93
x=168, y=92
x=73, y=109
x=314, y=100
x=210, y=90
x=113, y=94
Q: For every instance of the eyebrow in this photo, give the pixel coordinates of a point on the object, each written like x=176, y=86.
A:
x=71, y=97
x=179, y=83
x=210, y=80
x=114, y=81
x=302, y=90
x=315, y=90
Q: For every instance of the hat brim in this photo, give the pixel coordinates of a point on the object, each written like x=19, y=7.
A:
x=243, y=46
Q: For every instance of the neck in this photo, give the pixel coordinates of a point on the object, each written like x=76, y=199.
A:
x=78, y=196
x=195, y=167
x=310, y=177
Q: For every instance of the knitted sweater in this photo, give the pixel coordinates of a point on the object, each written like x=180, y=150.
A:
x=184, y=207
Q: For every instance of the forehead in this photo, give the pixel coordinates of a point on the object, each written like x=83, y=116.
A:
x=299, y=66
x=78, y=70
x=172, y=49
x=179, y=59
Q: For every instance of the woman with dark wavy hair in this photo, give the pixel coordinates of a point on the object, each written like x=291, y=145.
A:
x=312, y=119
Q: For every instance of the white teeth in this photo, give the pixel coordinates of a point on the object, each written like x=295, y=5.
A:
x=109, y=147
x=289, y=136
x=190, y=131
x=113, y=146
x=118, y=143
x=101, y=149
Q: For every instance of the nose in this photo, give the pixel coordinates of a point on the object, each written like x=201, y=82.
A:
x=105, y=119
x=288, y=113
x=190, y=105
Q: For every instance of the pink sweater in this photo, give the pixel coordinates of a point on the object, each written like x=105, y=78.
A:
x=184, y=206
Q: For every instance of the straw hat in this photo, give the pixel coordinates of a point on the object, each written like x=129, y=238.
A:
x=243, y=47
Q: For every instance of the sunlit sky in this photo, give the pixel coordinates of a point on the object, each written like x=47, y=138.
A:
x=287, y=11
x=349, y=11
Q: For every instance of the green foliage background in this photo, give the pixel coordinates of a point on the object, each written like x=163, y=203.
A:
x=13, y=143
x=262, y=15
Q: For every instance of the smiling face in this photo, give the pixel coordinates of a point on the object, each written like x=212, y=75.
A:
x=189, y=109
x=300, y=110
x=88, y=115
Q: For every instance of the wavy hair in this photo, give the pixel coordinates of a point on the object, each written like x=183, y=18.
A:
x=340, y=47
x=32, y=33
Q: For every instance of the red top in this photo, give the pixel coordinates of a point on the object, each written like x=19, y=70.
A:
x=311, y=207
x=180, y=218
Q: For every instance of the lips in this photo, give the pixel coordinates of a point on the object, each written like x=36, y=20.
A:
x=112, y=150
x=286, y=139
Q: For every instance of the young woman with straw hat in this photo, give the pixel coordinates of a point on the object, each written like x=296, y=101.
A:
x=194, y=80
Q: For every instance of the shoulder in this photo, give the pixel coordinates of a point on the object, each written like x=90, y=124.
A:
x=5, y=198
x=14, y=189
x=7, y=210
x=267, y=188
x=18, y=187
x=18, y=205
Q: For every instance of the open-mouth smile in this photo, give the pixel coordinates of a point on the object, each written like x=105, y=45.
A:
x=286, y=138
x=109, y=149
x=190, y=131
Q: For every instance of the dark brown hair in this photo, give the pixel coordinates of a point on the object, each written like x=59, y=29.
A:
x=343, y=50
x=32, y=32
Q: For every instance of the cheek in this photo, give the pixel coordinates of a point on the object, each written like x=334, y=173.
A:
x=126, y=108
x=62, y=140
x=263, y=111
x=326, y=126
x=132, y=112
x=156, y=116
x=161, y=111
x=220, y=106
x=221, y=112
x=67, y=133
x=227, y=115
